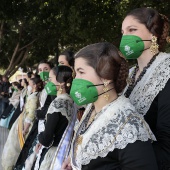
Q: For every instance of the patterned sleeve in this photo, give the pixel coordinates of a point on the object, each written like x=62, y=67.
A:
x=31, y=107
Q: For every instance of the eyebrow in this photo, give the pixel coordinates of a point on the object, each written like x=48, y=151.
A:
x=130, y=26
x=79, y=68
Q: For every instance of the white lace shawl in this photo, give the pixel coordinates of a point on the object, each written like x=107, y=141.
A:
x=62, y=103
x=153, y=81
x=117, y=125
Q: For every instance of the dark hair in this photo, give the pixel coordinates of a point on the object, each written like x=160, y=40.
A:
x=37, y=80
x=51, y=65
x=105, y=58
x=156, y=23
x=29, y=74
x=69, y=56
x=0, y=77
x=25, y=81
x=64, y=75
x=17, y=84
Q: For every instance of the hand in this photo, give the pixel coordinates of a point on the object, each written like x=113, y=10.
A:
x=66, y=164
x=26, y=128
x=38, y=147
x=24, y=132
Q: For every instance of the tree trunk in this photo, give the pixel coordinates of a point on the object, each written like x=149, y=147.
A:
x=12, y=60
x=1, y=33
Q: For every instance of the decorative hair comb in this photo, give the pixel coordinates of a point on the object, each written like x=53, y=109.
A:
x=168, y=39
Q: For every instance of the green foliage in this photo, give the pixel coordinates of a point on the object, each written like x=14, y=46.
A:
x=57, y=24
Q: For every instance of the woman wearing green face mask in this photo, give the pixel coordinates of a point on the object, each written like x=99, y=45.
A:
x=145, y=33
x=13, y=103
x=58, y=115
x=111, y=135
x=21, y=127
x=22, y=101
x=45, y=100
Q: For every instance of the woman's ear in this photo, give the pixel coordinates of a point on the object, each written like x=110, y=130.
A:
x=105, y=81
x=62, y=84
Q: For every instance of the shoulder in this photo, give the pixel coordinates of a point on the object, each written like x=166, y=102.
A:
x=61, y=100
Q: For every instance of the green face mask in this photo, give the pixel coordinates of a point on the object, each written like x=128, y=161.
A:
x=15, y=89
x=50, y=88
x=44, y=75
x=132, y=46
x=83, y=92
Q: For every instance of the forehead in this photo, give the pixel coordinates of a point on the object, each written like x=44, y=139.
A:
x=80, y=62
x=62, y=57
x=130, y=20
x=43, y=65
x=30, y=81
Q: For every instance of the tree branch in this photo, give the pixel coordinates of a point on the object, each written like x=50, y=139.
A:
x=25, y=56
x=21, y=62
x=27, y=45
x=12, y=60
x=1, y=33
x=18, y=58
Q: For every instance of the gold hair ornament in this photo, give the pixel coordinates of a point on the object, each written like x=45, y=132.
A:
x=60, y=90
x=105, y=89
x=168, y=39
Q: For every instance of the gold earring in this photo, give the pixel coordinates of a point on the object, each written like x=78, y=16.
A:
x=105, y=89
x=60, y=90
x=68, y=84
x=154, y=46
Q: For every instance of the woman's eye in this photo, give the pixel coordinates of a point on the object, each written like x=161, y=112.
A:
x=132, y=29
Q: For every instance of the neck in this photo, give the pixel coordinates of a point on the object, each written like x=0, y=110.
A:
x=101, y=101
x=144, y=59
x=63, y=92
x=34, y=90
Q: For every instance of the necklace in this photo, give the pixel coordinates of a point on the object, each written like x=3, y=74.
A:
x=132, y=81
x=87, y=122
x=88, y=119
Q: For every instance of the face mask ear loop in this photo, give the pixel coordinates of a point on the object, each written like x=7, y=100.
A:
x=141, y=40
x=97, y=85
x=103, y=92
x=94, y=85
x=55, y=85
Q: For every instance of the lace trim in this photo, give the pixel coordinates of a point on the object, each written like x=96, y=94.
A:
x=64, y=104
x=151, y=84
x=42, y=98
x=116, y=126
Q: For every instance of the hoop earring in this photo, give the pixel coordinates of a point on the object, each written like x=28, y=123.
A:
x=105, y=89
x=60, y=90
x=154, y=46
